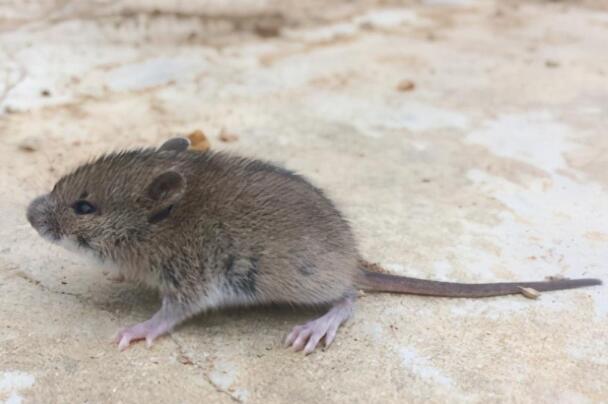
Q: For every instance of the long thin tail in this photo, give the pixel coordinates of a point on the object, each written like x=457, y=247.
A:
x=379, y=282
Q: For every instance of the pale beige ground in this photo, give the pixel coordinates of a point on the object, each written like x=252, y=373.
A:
x=494, y=167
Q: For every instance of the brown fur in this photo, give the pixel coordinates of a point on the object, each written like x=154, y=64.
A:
x=256, y=232
x=210, y=230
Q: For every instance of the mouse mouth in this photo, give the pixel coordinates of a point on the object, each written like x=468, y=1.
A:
x=83, y=242
x=47, y=229
x=74, y=244
x=49, y=235
x=81, y=246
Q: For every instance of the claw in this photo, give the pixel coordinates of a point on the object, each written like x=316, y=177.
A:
x=170, y=314
x=148, y=330
x=124, y=343
x=307, y=336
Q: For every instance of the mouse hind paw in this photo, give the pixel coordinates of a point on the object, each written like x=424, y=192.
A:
x=148, y=330
x=307, y=336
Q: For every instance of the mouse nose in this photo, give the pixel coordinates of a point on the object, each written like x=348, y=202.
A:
x=38, y=214
x=36, y=209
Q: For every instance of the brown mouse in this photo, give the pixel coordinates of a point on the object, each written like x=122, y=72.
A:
x=211, y=230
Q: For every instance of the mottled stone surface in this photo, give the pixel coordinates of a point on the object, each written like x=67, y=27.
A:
x=494, y=166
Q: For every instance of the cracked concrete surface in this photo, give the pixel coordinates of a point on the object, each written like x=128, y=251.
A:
x=494, y=167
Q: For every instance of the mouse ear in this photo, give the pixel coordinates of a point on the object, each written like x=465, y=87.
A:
x=167, y=188
x=176, y=144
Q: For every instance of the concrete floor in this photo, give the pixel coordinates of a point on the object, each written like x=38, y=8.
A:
x=493, y=167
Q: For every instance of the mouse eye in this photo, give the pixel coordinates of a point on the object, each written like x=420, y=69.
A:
x=83, y=208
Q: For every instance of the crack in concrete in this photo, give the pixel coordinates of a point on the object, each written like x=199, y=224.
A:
x=43, y=16
x=259, y=23
x=8, y=85
x=205, y=372
x=16, y=272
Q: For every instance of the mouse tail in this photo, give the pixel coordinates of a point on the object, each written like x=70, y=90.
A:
x=370, y=281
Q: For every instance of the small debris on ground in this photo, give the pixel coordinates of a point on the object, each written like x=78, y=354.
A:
x=406, y=85
x=372, y=267
x=29, y=144
x=529, y=292
x=198, y=141
x=45, y=93
x=228, y=137
x=184, y=360
x=267, y=29
x=367, y=25
x=116, y=278
x=551, y=63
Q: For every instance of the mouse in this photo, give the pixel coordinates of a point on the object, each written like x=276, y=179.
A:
x=210, y=230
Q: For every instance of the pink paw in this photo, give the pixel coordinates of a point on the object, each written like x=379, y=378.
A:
x=148, y=330
x=309, y=335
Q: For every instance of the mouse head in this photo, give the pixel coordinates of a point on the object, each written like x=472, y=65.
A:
x=114, y=202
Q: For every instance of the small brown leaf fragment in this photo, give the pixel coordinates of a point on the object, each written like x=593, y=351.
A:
x=184, y=360
x=228, y=137
x=198, y=141
x=372, y=266
x=406, y=85
x=530, y=293
x=267, y=29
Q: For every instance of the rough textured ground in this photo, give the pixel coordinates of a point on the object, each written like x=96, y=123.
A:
x=494, y=167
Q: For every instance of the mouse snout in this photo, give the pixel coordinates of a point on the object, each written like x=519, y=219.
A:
x=41, y=217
